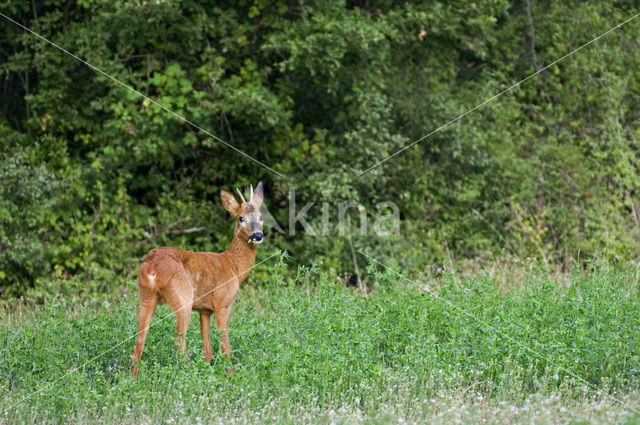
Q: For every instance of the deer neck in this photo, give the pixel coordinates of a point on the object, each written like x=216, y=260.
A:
x=242, y=255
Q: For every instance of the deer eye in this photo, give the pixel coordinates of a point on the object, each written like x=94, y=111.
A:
x=241, y=219
x=260, y=218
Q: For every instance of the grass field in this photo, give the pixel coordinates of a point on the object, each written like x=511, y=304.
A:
x=309, y=350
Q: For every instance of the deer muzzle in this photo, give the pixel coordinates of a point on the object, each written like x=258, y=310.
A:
x=256, y=237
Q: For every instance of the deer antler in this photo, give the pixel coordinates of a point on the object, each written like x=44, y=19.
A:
x=242, y=197
x=251, y=195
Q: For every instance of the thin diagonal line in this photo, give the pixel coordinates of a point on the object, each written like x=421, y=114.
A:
x=95, y=68
x=503, y=335
x=496, y=96
x=75, y=369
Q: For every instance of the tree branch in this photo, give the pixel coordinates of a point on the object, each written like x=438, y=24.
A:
x=532, y=36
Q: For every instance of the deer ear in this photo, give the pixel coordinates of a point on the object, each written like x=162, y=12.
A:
x=258, y=195
x=229, y=202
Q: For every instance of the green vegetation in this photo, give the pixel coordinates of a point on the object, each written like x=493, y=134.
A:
x=525, y=213
x=309, y=350
x=92, y=176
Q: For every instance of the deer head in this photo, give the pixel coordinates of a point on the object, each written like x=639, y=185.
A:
x=247, y=214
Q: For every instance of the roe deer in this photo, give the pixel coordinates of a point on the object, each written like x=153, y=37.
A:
x=203, y=281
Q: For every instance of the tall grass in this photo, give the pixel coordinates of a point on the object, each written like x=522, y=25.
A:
x=308, y=349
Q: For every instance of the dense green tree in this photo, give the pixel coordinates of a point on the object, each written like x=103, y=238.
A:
x=94, y=175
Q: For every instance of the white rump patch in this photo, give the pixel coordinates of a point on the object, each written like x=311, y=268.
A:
x=152, y=279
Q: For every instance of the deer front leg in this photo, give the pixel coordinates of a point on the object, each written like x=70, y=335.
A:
x=205, y=328
x=222, y=322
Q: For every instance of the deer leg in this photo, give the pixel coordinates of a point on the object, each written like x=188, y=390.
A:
x=179, y=296
x=148, y=303
x=184, y=317
x=205, y=328
x=222, y=322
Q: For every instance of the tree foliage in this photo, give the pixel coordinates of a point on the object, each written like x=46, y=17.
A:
x=94, y=175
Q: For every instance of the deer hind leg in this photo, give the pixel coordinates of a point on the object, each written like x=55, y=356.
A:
x=181, y=303
x=148, y=303
x=205, y=327
x=222, y=322
x=184, y=317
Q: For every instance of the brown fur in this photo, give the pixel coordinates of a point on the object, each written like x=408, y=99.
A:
x=203, y=281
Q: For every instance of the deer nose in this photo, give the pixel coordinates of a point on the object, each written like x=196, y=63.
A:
x=256, y=237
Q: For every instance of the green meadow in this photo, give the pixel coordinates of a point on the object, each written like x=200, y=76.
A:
x=309, y=349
